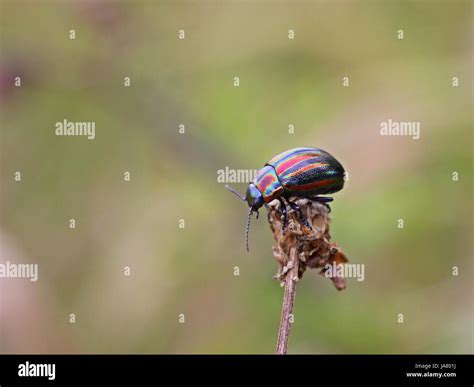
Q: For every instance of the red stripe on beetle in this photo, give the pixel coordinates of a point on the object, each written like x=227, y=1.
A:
x=265, y=182
x=288, y=164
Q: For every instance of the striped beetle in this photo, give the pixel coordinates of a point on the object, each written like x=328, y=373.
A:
x=299, y=172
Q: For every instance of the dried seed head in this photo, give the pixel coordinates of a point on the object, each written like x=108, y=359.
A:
x=313, y=244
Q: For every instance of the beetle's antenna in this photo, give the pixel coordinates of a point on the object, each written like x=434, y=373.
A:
x=248, y=229
x=240, y=196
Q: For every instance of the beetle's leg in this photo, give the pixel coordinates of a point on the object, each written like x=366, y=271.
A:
x=323, y=200
x=327, y=206
x=283, y=215
x=295, y=207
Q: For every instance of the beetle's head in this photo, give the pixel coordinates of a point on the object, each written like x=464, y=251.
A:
x=254, y=198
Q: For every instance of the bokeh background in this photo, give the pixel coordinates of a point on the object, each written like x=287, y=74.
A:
x=174, y=176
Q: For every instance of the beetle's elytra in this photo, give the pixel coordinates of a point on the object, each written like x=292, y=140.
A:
x=299, y=172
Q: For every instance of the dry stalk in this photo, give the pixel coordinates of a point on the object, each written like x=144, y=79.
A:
x=299, y=248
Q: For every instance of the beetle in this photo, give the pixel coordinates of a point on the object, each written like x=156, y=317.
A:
x=302, y=172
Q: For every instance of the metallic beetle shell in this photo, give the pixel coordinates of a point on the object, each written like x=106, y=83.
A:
x=268, y=183
x=302, y=172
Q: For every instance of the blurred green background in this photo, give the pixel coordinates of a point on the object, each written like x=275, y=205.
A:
x=174, y=176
